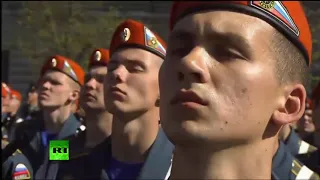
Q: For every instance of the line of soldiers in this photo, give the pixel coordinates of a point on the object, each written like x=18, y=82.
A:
x=227, y=90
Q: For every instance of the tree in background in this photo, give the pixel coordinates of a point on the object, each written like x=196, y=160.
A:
x=69, y=28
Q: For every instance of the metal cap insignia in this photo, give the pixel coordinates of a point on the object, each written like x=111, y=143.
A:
x=126, y=34
x=97, y=56
x=54, y=62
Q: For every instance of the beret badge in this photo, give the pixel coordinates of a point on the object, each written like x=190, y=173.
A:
x=126, y=34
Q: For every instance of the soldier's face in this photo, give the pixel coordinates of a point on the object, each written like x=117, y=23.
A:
x=306, y=123
x=32, y=97
x=14, y=105
x=55, y=89
x=5, y=100
x=131, y=85
x=218, y=82
x=92, y=94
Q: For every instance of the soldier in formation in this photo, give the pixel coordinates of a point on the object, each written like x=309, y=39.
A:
x=222, y=101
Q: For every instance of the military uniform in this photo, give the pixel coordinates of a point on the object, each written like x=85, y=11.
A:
x=78, y=151
x=93, y=163
x=286, y=166
x=297, y=146
x=16, y=166
x=10, y=123
x=133, y=34
x=74, y=167
x=31, y=138
x=28, y=111
x=156, y=166
x=312, y=160
x=12, y=119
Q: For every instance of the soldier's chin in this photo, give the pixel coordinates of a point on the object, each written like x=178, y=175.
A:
x=116, y=107
x=45, y=105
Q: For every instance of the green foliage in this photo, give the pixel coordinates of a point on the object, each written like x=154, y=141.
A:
x=68, y=28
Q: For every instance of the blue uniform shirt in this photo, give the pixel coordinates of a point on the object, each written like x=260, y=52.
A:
x=120, y=170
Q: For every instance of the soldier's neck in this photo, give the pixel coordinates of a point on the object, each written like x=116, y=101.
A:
x=251, y=161
x=98, y=127
x=54, y=119
x=132, y=139
x=34, y=103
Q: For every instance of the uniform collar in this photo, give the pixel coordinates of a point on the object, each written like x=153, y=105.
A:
x=69, y=128
x=282, y=162
x=293, y=142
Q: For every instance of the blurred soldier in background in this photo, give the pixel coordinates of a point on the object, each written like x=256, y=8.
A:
x=30, y=108
x=305, y=126
x=5, y=99
x=13, y=118
x=312, y=159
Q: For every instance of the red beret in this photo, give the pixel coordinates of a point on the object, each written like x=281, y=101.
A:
x=287, y=17
x=316, y=93
x=131, y=33
x=15, y=94
x=99, y=57
x=66, y=66
x=5, y=90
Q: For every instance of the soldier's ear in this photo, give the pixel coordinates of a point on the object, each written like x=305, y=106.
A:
x=291, y=105
x=74, y=95
x=158, y=102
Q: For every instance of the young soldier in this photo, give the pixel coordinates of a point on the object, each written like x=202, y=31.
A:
x=98, y=119
x=31, y=108
x=312, y=159
x=138, y=149
x=5, y=99
x=59, y=88
x=98, y=122
x=13, y=119
x=233, y=76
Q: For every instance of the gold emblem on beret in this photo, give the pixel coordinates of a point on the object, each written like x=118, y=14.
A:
x=97, y=56
x=54, y=62
x=126, y=34
x=153, y=42
x=267, y=4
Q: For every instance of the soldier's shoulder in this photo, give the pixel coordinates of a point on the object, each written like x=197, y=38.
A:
x=22, y=170
x=4, y=143
x=300, y=171
x=77, y=144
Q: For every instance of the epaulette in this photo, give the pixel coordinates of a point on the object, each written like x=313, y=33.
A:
x=4, y=143
x=305, y=147
x=301, y=171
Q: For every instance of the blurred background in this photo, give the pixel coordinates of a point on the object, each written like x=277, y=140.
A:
x=33, y=30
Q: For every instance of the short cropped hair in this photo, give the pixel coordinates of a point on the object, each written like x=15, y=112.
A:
x=291, y=65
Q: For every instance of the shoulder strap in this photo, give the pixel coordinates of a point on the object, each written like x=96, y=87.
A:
x=159, y=158
x=301, y=171
x=12, y=147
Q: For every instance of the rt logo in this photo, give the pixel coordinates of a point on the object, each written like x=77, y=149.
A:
x=59, y=150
